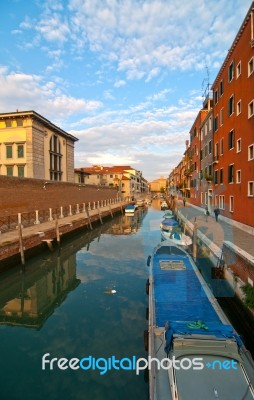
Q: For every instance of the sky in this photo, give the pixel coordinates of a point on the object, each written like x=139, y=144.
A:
x=126, y=77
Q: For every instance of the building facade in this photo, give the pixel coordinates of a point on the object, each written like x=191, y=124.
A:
x=33, y=147
x=233, y=139
x=221, y=138
x=128, y=181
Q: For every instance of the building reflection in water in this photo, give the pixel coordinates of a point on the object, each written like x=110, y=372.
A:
x=129, y=223
x=29, y=297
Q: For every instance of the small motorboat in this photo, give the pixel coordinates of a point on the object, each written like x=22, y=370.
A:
x=177, y=237
x=130, y=209
x=168, y=224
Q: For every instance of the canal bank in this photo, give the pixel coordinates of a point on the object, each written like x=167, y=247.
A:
x=19, y=244
x=229, y=248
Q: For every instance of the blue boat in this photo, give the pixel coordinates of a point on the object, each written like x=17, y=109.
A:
x=194, y=352
x=168, y=224
x=130, y=209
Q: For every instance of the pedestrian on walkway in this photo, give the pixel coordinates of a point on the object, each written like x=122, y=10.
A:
x=206, y=213
x=216, y=213
x=184, y=201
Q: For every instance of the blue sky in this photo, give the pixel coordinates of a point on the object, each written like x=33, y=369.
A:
x=124, y=76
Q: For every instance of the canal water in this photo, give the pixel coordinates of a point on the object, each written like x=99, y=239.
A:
x=85, y=300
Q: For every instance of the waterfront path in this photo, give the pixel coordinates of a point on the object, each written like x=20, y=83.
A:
x=217, y=232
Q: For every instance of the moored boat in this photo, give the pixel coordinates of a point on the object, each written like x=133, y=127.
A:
x=169, y=214
x=168, y=224
x=177, y=237
x=130, y=208
x=193, y=351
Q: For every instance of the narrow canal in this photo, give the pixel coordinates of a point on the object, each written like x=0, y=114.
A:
x=86, y=300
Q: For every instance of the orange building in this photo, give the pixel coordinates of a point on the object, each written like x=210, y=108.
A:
x=233, y=115
x=195, y=183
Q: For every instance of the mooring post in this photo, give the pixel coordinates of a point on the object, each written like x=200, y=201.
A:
x=57, y=231
x=21, y=247
x=99, y=212
x=89, y=219
x=195, y=240
x=109, y=206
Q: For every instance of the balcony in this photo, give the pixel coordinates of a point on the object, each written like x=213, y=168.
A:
x=189, y=171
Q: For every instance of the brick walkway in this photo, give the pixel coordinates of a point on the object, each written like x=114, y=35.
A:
x=218, y=231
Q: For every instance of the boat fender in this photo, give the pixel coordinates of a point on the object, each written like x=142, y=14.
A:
x=148, y=261
x=146, y=340
x=147, y=286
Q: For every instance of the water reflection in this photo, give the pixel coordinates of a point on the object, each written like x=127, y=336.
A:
x=28, y=297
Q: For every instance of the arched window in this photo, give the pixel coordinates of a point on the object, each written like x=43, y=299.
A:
x=55, y=159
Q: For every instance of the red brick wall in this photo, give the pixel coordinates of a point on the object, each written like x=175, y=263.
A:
x=25, y=195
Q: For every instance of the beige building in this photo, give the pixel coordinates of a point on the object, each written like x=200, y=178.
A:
x=128, y=181
x=158, y=184
x=33, y=147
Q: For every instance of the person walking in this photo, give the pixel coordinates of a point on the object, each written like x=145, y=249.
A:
x=206, y=213
x=184, y=201
x=216, y=213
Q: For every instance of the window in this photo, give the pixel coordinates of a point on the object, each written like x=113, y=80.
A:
x=55, y=159
x=238, y=145
x=216, y=97
x=210, y=169
x=238, y=176
x=231, y=173
x=231, y=203
x=19, y=122
x=221, y=175
x=239, y=107
x=111, y=176
x=221, y=88
x=20, y=150
x=210, y=123
x=231, y=140
x=8, y=151
x=215, y=122
x=221, y=116
x=9, y=170
x=251, y=66
x=222, y=202
x=8, y=123
x=216, y=177
x=21, y=171
x=251, y=109
x=205, y=150
x=251, y=152
x=216, y=150
x=221, y=146
x=231, y=105
x=216, y=201
x=231, y=71
x=210, y=147
x=238, y=69
x=250, y=188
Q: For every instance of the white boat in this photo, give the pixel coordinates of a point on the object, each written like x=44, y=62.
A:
x=130, y=209
x=164, y=205
x=169, y=214
x=177, y=237
x=193, y=351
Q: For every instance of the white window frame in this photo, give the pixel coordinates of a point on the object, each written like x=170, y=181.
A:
x=250, y=185
x=239, y=107
x=239, y=145
x=231, y=204
x=222, y=146
x=238, y=176
x=251, y=109
x=251, y=66
x=238, y=69
x=249, y=152
x=221, y=202
x=216, y=200
x=221, y=116
x=233, y=72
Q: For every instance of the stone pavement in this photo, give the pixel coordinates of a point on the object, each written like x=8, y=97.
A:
x=219, y=231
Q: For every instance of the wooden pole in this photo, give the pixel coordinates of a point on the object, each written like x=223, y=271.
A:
x=195, y=240
x=110, y=210
x=99, y=212
x=57, y=231
x=89, y=219
x=21, y=247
